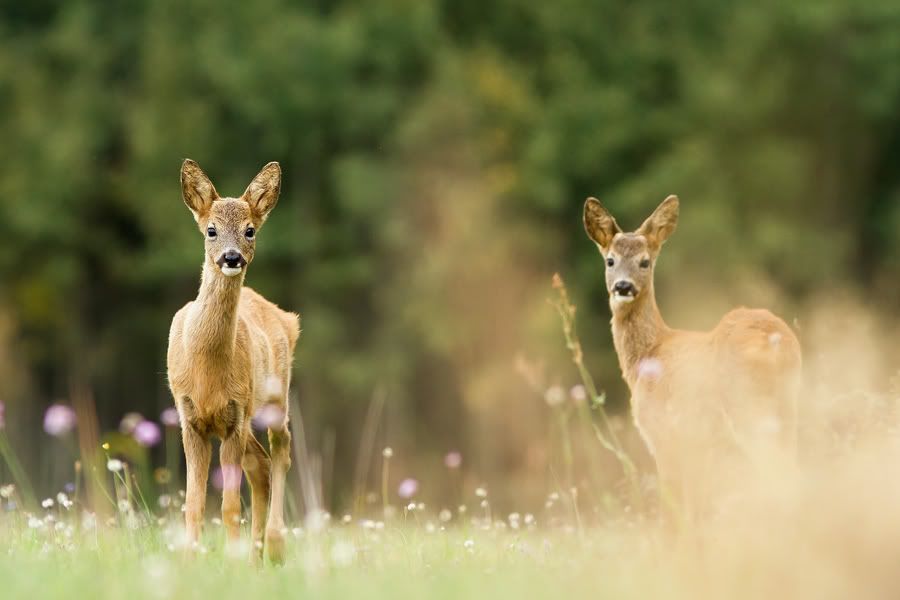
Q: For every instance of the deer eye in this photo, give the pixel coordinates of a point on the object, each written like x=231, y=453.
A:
x=250, y=233
x=610, y=262
x=211, y=232
x=645, y=263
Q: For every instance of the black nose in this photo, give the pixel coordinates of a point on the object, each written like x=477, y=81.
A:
x=624, y=288
x=233, y=259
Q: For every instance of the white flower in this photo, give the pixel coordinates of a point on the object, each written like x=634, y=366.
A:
x=387, y=452
x=578, y=393
x=114, y=464
x=47, y=503
x=7, y=491
x=481, y=492
x=554, y=396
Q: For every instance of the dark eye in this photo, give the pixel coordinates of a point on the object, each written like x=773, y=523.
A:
x=211, y=232
x=610, y=262
x=645, y=263
x=250, y=233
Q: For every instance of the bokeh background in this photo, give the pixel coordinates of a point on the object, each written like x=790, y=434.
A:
x=436, y=156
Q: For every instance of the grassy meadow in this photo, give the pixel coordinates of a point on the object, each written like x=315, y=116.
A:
x=826, y=526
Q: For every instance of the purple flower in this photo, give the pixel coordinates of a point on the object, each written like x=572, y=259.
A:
x=408, y=488
x=129, y=422
x=268, y=416
x=59, y=419
x=650, y=368
x=453, y=460
x=226, y=477
x=2, y=415
x=169, y=417
x=217, y=479
x=147, y=433
x=231, y=477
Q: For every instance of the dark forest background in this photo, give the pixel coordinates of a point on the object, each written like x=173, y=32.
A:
x=436, y=157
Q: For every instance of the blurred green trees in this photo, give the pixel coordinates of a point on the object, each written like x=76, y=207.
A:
x=436, y=156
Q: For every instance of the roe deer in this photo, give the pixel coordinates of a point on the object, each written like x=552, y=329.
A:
x=230, y=355
x=696, y=397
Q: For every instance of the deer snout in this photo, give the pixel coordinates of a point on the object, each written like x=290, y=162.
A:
x=231, y=262
x=624, y=289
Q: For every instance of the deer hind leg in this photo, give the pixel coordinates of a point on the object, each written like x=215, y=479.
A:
x=257, y=466
x=280, y=446
x=197, y=452
x=231, y=456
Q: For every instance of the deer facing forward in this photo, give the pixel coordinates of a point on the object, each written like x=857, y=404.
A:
x=230, y=355
x=697, y=397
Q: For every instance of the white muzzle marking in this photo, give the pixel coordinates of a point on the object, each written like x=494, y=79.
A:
x=231, y=271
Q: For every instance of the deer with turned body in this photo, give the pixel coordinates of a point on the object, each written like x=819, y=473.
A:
x=230, y=355
x=698, y=398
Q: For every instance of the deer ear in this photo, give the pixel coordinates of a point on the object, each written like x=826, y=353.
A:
x=197, y=190
x=660, y=225
x=262, y=193
x=599, y=224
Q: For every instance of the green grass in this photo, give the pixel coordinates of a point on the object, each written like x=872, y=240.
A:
x=346, y=560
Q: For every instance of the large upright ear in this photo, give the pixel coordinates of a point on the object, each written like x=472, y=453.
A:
x=660, y=225
x=599, y=224
x=262, y=193
x=196, y=189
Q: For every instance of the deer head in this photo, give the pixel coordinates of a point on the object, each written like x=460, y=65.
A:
x=230, y=224
x=630, y=257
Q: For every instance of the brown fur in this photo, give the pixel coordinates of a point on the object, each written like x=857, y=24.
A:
x=230, y=353
x=697, y=397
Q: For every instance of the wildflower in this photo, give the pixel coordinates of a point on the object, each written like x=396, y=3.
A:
x=34, y=522
x=162, y=475
x=105, y=446
x=268, y=416
x=408, y=488
x=411, y=507
x=216, y=479
x=129, y=422
x=63, y=500
x=47, y=503
x=7, y=491
x=445, y=515
x=2, y=415
x=114, y=465
x=124, y=505
x=387, y=452
x=231, y=477
x=164, y=501
x=554, y=396
x=650, y=368
x=346, y=519
x=169, y=417
x=469, y=545
x=146, y=433
x=481, y=492
x=453, y=460
x=59, y=419
x=343, y=553
x=578, y=393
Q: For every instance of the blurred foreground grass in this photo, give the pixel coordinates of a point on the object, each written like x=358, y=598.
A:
x=342, y=561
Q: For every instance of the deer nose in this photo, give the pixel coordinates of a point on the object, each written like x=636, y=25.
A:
x=624, y=288
x=232, y=259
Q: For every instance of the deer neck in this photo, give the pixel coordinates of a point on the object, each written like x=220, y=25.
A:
x=214, y=323
x=637, y=330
